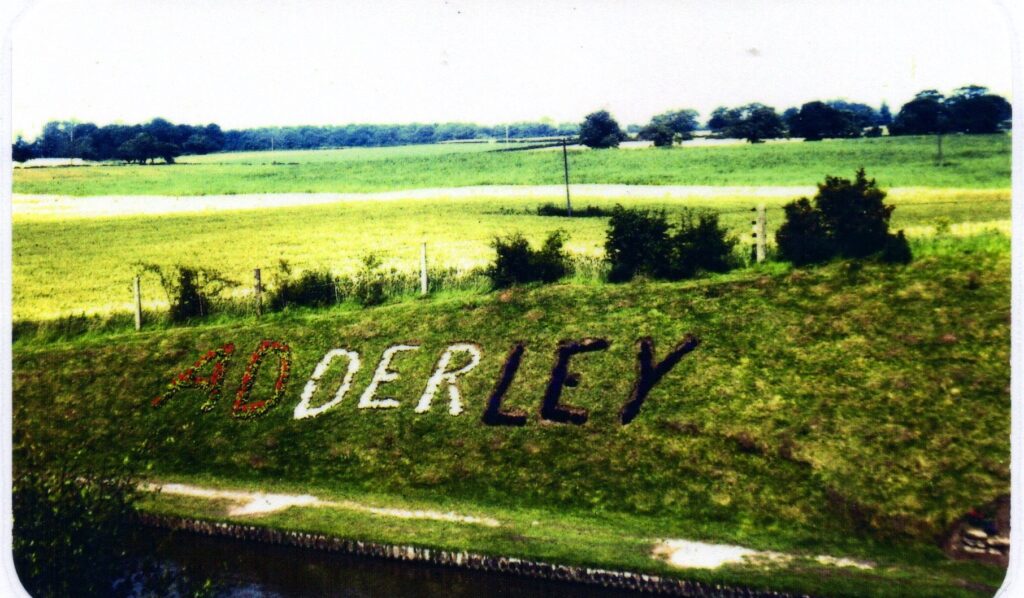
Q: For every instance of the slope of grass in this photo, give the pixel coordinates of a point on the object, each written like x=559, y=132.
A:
x=63, y=267
x=970, y=161
x=841, y=410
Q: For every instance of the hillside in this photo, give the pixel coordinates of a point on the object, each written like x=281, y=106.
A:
x=846, y=410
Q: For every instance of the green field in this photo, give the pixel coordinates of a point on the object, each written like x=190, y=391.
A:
x=841, y=411
x=63, y=267
x=981, y=161
x=852, y=410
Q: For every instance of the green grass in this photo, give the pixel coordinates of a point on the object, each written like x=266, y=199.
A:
x=970, y=162
x=85, y=265
x=838, y=410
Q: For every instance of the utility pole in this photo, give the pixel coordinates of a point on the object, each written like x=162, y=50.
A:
x=565, y=163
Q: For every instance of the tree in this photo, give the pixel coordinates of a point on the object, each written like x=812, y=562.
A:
x=848, y=219
x=925, y=114
x=22, y=150
x=753, y=122
x=599, y=130
x=861, y=115
x=884, y=115
x=660, y=134
x=818, y=120
x=973, y=110
x=680, y=122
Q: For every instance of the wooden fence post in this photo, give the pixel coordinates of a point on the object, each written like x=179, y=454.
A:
x=258, y=289
x=138, y=303
x=760, y=233
x=423, y=269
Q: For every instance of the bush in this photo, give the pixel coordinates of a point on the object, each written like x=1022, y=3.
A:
x=313, y=288
x=700, y=245
x=516, y=262
x=642, y=242
x=368, y=284
x=190, y=291
x=70, y=526
x=550, y=209
x=848, y=219
x=636, y=243
x=803, y=238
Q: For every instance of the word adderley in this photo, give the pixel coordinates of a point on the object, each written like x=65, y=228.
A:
x=648, y=373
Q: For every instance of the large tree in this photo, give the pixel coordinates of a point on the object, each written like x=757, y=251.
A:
x=972, y=109
x=753, y=122
x=818, y=120
x=599, y=130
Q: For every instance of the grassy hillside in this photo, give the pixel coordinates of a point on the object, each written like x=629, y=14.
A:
x=970, y=161
x=840, y=410
x=71, y=266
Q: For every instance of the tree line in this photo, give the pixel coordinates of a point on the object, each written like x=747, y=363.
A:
x=968, y=109
x=161, y=139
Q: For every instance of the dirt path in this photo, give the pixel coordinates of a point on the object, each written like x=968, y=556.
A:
x=66, y=206
x=678, y=553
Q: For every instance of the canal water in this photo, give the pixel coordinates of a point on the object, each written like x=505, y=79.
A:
x=248, y=569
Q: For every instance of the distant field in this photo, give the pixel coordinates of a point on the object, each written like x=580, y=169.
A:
x=970, y=162
x=85, y=265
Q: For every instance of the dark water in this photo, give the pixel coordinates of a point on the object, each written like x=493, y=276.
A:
x=242, y=569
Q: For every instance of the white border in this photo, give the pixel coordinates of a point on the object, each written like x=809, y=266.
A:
x=10, y=585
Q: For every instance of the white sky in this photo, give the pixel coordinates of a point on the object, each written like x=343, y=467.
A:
x=252, y=63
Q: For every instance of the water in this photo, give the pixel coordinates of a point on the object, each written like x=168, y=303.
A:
x=244, y=569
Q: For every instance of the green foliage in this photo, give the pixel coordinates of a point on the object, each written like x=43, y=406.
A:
x=829, y=378
x=191, y=291
x=700, y=244
x=312, y=288
x=848, y=219
x=818, y=120
x=754, y=122
x=642, y=242
x=660, y=134
x=636, y=243
x=591, y=211
x=970, y=109
x=72, y=515
x=599, y=130
x=515, y=262
x=367, y=287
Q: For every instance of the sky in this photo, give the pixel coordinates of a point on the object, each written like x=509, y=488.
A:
x=263, y=63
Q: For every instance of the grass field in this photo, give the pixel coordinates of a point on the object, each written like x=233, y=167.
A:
x=842, y=411
x=851, y=410
x=63, y=267
x=970, y=162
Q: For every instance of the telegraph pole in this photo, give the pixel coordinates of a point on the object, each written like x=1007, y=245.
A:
x=565, y=163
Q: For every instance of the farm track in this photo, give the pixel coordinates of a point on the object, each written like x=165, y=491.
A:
x=135, y=205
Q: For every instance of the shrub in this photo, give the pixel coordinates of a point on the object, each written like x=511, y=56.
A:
x=700, y=245
x=550, y=209
x=314, y=288
x=368, y=284
x=636, y=243
x=803, y=238
x=516, y=262
x=848, y=219
x=70, y=525
x=190, y=291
